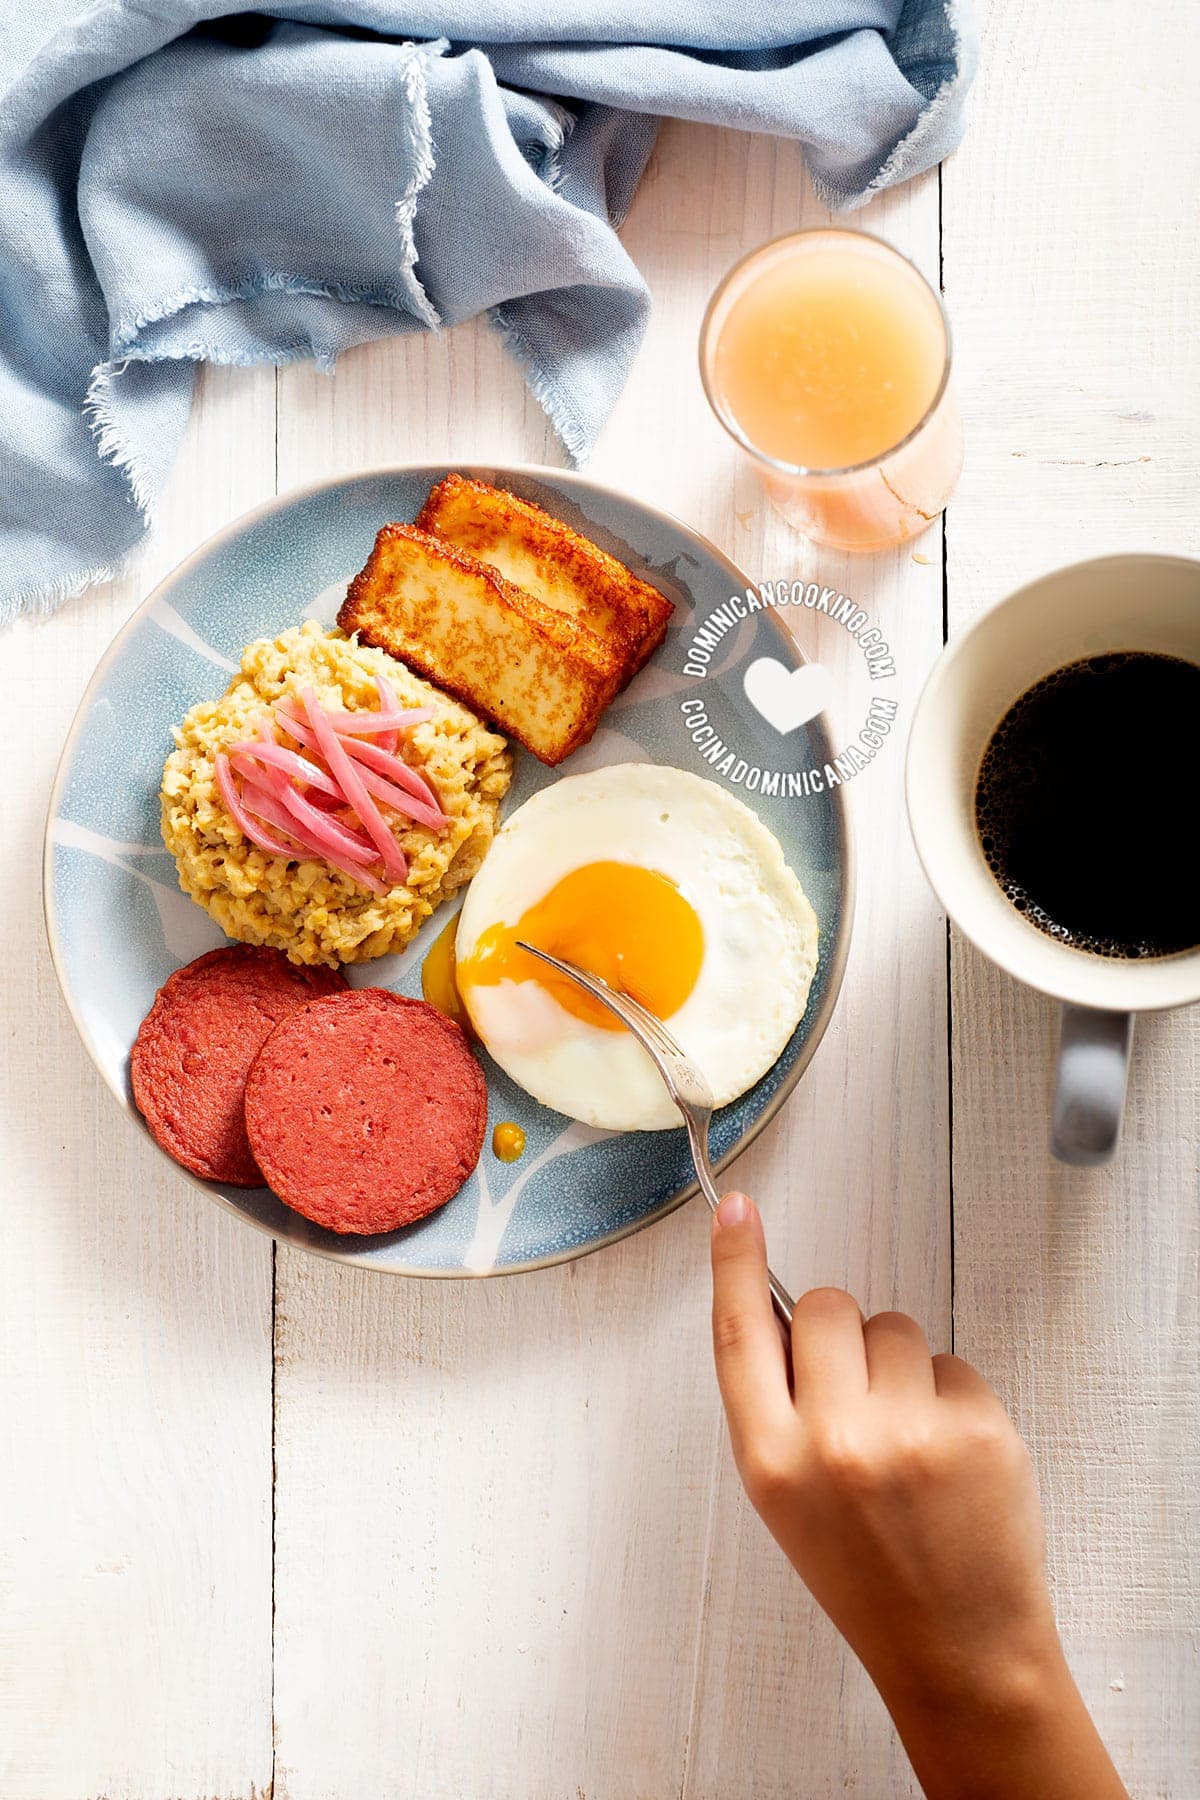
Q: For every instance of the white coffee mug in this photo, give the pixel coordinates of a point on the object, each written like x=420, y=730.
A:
x=1149, y=603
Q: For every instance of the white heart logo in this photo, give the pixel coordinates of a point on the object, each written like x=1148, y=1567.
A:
x=787, y=698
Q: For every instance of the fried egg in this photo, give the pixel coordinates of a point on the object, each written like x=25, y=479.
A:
x=673, y=891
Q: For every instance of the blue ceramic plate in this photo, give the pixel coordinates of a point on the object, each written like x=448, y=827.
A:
x=119, y=924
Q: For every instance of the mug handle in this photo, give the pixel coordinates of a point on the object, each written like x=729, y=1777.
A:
x=1089, y=1091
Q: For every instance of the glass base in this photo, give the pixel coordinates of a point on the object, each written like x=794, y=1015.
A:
x=876, y=508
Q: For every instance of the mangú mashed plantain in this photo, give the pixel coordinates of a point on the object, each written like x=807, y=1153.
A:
x=313, y=912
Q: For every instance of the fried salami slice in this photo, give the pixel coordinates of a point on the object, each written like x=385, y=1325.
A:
x=196, y=1046
x=366, y=1111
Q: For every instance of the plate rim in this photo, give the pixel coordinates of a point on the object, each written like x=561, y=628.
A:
x=279, y=503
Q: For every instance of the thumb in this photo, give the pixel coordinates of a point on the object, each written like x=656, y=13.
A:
x=750, y=1358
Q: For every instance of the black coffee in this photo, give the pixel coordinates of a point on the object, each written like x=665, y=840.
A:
x=1086, y=804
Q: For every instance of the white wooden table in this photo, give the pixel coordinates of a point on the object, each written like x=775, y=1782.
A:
x=275, y=1528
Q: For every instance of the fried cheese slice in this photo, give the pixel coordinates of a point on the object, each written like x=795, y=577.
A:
x=541, y=676
x=552, y=562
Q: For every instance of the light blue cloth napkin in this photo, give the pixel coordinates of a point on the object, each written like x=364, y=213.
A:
x=178, y=186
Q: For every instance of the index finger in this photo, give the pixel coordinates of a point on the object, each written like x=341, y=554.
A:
x=751, y=1362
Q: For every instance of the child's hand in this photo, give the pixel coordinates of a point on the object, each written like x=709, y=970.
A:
x=898, y=1488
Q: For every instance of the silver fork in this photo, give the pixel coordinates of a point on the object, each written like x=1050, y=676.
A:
x=685, y=1084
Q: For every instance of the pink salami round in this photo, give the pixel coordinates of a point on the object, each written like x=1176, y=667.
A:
x=366, y=1110
x=196, y=1046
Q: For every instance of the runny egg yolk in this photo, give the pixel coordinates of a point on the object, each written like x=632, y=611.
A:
x=630, y=925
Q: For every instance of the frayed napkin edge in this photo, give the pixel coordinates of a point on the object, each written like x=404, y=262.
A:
x=42, y=601
x=897, y=166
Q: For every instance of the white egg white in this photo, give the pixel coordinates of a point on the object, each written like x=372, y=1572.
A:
x=760, y=941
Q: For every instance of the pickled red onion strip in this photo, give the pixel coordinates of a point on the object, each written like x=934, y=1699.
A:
x=422, y=808
x=421, y=812
x=399, y=773
x=329, y=833
x=260, y=801
x=363, y=877
x=267, y=751
x=367, y=723
x=400, y=802
x=377, y=757
x=296, y=728
x=257, y=797
x=319, y=830
x=257, y=834
x=346, y=775
x=283, y=791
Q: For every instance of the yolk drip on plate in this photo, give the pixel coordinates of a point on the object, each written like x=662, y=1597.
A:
x=630, y=925
x=508, y=1141
x=438, y=983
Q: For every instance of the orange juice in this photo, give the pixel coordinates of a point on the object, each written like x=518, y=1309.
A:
x=826, y=355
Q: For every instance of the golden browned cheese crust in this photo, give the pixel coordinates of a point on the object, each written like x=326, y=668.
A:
x=542, y=677
x=313, y=912
x=548, y=559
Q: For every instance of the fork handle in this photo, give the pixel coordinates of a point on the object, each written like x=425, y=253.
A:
x=781, y=1300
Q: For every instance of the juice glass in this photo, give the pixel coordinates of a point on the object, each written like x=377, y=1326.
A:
x=826, y=355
